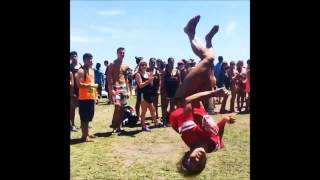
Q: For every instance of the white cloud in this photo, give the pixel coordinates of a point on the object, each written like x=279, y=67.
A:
x=76, y=39
x=103, y=29
x=231, y=26
x=111, y=12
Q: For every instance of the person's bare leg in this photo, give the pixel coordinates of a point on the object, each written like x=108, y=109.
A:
x=210, y=35
x=155, y=105
x=110, y=99
x=85, y=131
x=164, y=107
x=238, y=101
x=243, y=96
x=143, y=114
x=137, y=107
x=248, y=103
x=115, y=117
x=72, y=115
x=201, y=70
x=190, y=29
x=223, y=104
x=233, y=98
x=152, y=112
x=172, y=105
x=130, y=88
x=120, y=118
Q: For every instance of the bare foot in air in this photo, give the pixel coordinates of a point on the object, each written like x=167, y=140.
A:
x=190, y=28
x=210, y=35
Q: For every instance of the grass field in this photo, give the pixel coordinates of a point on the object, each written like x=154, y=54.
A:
x=153, y=155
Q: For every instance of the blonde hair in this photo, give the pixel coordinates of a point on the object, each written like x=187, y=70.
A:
x=141, y=62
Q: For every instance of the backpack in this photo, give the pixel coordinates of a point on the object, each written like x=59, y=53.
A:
x=130, y=118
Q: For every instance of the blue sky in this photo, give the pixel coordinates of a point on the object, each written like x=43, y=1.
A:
x=155, y=28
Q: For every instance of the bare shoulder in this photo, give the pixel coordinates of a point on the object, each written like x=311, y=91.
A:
x=124, y=67
x=176, y=72
x=110, y=67
x=80, y=71
x=137, y=76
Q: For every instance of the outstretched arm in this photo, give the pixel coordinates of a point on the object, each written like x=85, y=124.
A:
x=205, y=95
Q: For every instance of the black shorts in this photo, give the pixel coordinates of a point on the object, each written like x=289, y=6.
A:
x=86, y=110
x=171, y=91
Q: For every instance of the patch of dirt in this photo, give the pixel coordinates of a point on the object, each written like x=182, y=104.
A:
x=131, y=153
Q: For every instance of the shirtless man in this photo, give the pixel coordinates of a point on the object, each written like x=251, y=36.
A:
x=117, y=84
x=74, y=68
x=156, y=82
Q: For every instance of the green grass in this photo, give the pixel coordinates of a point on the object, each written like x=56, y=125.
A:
x=154, y=155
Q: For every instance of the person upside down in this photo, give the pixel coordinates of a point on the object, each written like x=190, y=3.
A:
x=197, y=129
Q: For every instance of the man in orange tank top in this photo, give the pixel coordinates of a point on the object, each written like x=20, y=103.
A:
x=87, y=96
x=118, y=86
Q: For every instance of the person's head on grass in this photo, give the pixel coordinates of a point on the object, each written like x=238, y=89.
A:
x=194, y=161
